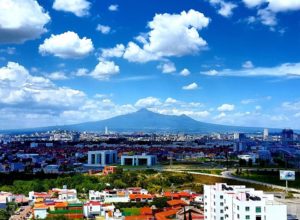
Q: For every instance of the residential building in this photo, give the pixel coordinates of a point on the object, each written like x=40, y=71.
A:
x=223, y=202
x=109, y=170
x=109, y=196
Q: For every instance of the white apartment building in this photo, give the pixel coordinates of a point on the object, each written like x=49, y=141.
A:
x=109, y=196
x=223, y=202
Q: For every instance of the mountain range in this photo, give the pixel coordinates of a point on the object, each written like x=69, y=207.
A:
x=144, y=120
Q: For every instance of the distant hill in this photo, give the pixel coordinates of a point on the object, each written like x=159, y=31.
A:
x=148, y=121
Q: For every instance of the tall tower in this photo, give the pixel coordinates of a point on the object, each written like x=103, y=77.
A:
x=106, y=130
x=266, y=134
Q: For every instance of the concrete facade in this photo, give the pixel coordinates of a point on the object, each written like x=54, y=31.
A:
x=223, y=202
x=102, y=158
x=138, y=160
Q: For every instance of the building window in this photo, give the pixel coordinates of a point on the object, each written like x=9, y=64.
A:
x=258, y=217
x=247, y=217
x=221, y=197
x=221, y=211
x=238, y=208
x=221, y=203
x=247, y=208
x=258, y=209
x=238, y=216
x=221, y=218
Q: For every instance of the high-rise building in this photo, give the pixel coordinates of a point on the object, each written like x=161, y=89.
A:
x=266, y=134
x=287, y=136
x=106, y=130
x=224, y=202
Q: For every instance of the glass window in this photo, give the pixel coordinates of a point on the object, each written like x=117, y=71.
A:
x=258, y=209
x=247, y=208
x=247, y=217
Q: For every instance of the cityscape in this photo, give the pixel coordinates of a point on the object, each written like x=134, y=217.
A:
x=149, y=110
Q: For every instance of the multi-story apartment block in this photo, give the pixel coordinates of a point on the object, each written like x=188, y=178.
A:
x=223, y=202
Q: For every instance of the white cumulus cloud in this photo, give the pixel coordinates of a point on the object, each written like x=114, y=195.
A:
x=224, y=8
x=185, y=72
x=21, y=21
x=248, y=64
x=168, y=67
x=104, y=70
x=58, y=75
x=104, y=29
x=67, y=45
x=169, y=35
x=268, y=9
x=116, y=51
x=78, y=7
x=19, y=87
x=113, y=7
x=226, y=108
x=148, y=102
x=191, y=86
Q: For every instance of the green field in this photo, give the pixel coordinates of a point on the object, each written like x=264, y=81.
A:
x=271, y=177
x=131, y=211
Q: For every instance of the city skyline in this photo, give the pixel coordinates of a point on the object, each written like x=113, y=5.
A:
x=225, y=62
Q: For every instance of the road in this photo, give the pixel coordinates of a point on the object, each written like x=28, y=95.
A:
x=228, y=175
x=23, y=213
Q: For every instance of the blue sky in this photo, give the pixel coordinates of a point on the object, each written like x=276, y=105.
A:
x=223, y=61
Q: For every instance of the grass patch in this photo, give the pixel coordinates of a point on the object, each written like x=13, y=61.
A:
x=271, y=177
x=211, y=180
x=131, y=211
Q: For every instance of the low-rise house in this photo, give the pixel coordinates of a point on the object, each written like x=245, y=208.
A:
x=39, y=196
x=141, y=198
x=137, y=190
x=92, y=209
x=109, y=196
x=65, y=194
x=109, y=170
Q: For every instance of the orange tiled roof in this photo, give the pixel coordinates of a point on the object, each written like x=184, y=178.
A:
x=146, y=211
x=40, y=206
x=61, y=204
x=184, y=194
x=139, y=217
x=170, y=194
x=176, y=202
x=140, y=196
x=164, y=215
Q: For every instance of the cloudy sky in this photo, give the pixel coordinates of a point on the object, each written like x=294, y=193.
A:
x=232, y=62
